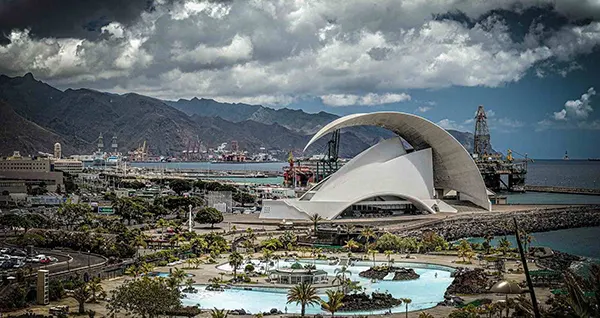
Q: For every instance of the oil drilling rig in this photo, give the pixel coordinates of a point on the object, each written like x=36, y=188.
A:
x=498, y=172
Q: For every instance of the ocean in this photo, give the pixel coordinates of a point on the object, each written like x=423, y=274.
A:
x=564, y=173
x=581, y=241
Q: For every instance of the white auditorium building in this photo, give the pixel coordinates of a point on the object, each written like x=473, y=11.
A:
x=387, y=175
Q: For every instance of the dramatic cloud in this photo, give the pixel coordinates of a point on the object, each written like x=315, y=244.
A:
x=574, y=115
x=577, y=109
x=344, y=52
x=370, y=99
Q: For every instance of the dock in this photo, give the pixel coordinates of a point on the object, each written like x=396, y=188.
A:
x=551, y=189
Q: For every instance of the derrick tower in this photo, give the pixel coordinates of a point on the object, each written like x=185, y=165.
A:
x=100, y=143
x=481, y=142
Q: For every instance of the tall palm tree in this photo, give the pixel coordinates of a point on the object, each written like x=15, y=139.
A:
x=406, y=301
x=334, y=301
x=218, y=313
x=303, y=294
x=140, y=241
x=235, y=261
x=315, y=219
x=373, y=253
x=388, y=254
x=267, y=255
x=162, y=223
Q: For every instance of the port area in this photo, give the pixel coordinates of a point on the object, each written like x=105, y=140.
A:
x=551, y=189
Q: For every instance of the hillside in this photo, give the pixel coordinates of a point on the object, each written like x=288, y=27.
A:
x=18, y=133
x=35, y=115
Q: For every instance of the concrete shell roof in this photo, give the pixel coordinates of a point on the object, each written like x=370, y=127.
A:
x=453, y=166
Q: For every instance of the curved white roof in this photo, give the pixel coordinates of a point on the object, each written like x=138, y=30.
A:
x=386, y=174
x=453, y=166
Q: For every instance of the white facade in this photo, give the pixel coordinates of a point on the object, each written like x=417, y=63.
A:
x=388, y=172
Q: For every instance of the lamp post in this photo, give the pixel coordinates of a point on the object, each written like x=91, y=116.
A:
x=536, y=311
x=190, y=219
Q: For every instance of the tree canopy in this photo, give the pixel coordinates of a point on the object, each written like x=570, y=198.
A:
x=180, y=186
x=145, y=297
x=209, y=215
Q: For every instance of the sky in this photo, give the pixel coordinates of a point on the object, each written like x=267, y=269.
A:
x=532, y=64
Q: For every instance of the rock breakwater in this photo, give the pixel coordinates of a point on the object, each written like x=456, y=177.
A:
x=501, y=223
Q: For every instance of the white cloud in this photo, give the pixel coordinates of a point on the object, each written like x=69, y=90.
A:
x=573, y=115
x=424, y=109
x=450, y=124
x=254, y=49
x=370, y=99
x=561, y=115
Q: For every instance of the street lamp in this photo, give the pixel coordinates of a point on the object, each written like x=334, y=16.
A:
x=190, y=219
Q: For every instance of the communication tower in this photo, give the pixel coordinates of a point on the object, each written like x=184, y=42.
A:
x=481, y=142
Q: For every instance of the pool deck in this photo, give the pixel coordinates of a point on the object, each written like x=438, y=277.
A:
x=208, y=271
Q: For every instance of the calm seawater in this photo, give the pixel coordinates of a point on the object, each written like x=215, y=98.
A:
x=564, y=173
x=207, y=166
x=581, y=241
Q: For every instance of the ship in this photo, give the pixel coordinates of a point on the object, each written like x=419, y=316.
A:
x=566, y=157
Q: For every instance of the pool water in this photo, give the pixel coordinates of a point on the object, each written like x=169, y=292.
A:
x=425, y=292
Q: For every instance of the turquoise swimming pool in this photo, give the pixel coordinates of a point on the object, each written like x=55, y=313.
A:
x=425, y=292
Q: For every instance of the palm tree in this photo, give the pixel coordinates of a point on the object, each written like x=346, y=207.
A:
x=406, y=301
x=218, y=313
x=425, y=315
x=315, y=218
x=465, y=250
x=351, y=245
x=504, y=245
x=373, y=253
x=343, y=271
x=178, y=275
x=334, y=301
x=267, y=256
x=145, y=268
x=303, y=294
x=140, y=241
x=235, y=261
x=388, y=254
x=367, y=234
x=162, y=223
x=95, y=288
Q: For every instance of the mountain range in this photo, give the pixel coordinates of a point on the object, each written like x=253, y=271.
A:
x=35, y=115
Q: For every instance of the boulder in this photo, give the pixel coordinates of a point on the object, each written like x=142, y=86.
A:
x=470, y=281
x=364, y=302
x=405, y=274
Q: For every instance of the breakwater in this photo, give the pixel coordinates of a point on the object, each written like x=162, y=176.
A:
x=501, y=223
x=537, y=188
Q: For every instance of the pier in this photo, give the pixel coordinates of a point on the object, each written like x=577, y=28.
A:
x=551, y=189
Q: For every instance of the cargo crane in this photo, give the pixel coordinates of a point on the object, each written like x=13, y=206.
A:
x=330, y=163
x=494, y=168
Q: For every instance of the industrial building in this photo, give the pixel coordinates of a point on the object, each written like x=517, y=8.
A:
x=390, y=177
x=18, y=173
